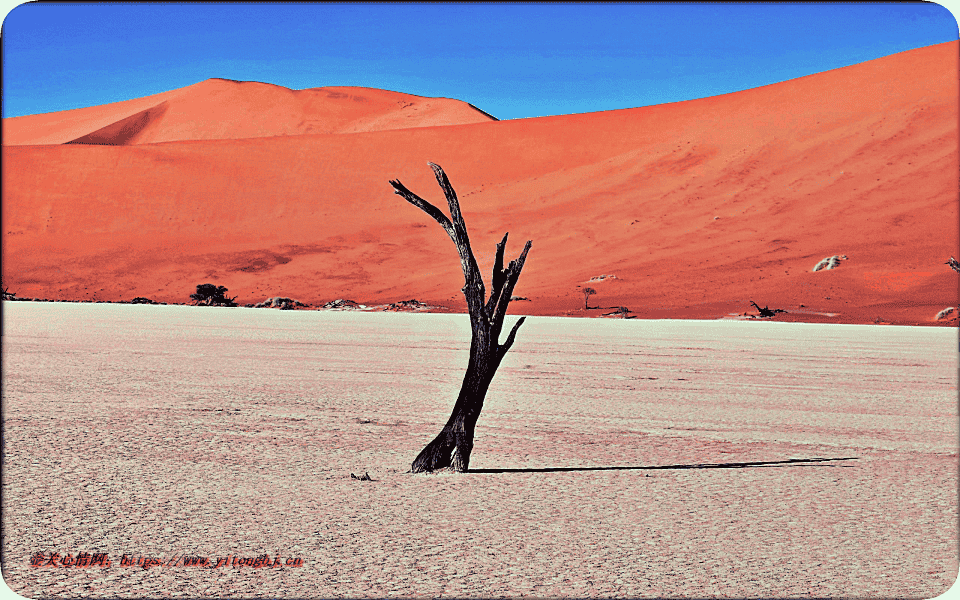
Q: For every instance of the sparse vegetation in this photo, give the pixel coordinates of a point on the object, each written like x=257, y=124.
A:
x=212, y=295
x=587, y=292
x=341, y=303
x=622, y=312
x=141, y=300
x=281, y=303
x=766, y=311
x=946, y=313
x=7, y=294
x=404, y=305
x=953, y=264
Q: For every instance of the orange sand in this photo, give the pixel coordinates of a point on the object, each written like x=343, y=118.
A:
x=696, y=207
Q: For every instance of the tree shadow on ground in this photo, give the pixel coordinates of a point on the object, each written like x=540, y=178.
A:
x=796, y=462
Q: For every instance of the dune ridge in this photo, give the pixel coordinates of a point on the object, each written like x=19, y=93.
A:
x=697, y=207
x=228, y=109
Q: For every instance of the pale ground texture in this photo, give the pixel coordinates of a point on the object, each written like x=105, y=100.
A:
x=614, y=458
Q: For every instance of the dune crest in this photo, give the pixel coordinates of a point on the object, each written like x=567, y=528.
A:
x=125, y=132
x=218, y=109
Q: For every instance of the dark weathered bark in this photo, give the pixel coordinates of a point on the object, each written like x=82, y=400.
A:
x=452, y=447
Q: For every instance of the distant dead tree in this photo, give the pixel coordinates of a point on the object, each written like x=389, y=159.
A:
x=7, y=294
x=766, y=311
x=953, y=264
x=452, y=447
x=587, y=292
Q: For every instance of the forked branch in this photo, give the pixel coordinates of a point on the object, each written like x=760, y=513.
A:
x=498, y=277
x=511, y=275
x=502, y=280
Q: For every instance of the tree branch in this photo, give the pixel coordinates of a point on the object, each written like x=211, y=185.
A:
x=433, y=211
x=503, y=348
x=471, y=272
x=452, y=202
x=498, y=278
x=512, y=274
x=455, y=227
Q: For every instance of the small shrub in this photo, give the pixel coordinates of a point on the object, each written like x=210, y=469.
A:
x=622, y=311
x=341, y=303
x=953, y=264
x=943, y=314
x=211, y=295
x=407, y=305
x=280, y=302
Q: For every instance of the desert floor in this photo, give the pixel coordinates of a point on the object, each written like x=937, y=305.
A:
x=612, y=459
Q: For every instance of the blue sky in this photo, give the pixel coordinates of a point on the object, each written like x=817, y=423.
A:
x=511, y=60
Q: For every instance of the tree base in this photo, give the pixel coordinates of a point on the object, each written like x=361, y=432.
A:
x=444, y=453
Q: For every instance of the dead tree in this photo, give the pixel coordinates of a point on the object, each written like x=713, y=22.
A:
x=766, y=311
x=587, y=292
x=452, y=447
x=953, y=264
x=7, y=295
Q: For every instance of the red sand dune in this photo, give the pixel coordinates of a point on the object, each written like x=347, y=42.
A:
x=218, y=109
x=696, y=207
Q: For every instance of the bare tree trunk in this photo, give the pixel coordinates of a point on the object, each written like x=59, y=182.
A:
x=452, y=447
